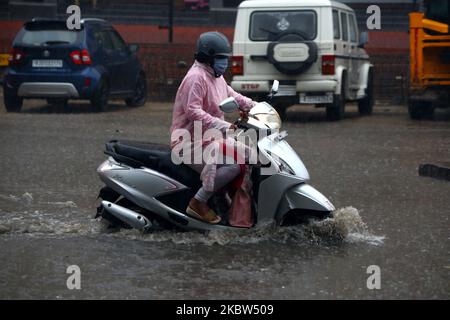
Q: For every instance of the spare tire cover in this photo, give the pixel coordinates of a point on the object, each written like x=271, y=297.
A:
x=291, y=53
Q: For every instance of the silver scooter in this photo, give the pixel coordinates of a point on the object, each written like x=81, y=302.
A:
x=146, y=190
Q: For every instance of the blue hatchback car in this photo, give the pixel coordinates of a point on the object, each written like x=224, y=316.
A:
x=48, y=61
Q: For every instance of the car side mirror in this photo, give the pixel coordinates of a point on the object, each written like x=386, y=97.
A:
x=229, y=105
x=133, y=48
x=363, y=39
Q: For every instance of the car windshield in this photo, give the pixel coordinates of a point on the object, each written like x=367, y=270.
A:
x=269, y=25
x=47, y=34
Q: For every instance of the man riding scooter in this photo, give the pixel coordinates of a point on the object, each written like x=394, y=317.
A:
x=197, y=103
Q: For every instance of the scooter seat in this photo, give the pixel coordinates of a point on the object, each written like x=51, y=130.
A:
x=153, y=156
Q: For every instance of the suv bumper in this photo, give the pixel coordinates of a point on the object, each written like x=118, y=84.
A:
x=311, y=86
x=47, y=90
x=51, y=84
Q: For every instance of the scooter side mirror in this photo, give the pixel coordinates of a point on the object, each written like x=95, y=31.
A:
x=229, y=105
x=275, y=87
x=273, y=90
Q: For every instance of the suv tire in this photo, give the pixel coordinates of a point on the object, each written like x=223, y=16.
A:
x=336, y=110
x=13, y=103
x=365, y=105
x=140, y=93
x=420, y=109
x=99, y=101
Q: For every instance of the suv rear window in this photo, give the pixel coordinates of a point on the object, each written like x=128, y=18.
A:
x=336, y=29
x=47, y=33
x=344, y=25
x=269, y=25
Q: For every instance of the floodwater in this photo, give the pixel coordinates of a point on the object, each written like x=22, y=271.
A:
x=388, y=216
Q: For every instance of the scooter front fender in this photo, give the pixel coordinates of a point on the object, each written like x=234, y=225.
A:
x=304, y=197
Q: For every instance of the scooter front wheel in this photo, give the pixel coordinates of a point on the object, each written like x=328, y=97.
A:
x=301, y=216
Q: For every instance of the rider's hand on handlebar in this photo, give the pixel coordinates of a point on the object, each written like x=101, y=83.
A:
x=244, y=115
x=233, y=127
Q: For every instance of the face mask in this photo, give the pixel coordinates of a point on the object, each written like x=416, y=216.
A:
x=220, y=66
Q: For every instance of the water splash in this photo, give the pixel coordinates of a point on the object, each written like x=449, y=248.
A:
x=37, y=223
x=346, y=225
x=63, y=204
x=26, y=198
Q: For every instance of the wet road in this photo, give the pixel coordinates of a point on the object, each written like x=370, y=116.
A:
x=367, y=166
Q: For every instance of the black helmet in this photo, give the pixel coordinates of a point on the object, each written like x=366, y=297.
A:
x=210, y=45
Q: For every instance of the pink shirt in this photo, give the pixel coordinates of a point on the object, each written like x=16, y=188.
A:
x=198, y=99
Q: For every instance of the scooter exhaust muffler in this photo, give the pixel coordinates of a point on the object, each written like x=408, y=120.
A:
x=128, y=216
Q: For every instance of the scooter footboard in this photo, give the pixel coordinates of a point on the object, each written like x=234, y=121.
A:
x=304, y=197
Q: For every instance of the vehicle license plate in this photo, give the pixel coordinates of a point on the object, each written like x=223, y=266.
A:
x=308, y=99
x=47, y=63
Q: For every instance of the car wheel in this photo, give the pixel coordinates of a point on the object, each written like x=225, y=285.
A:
x=13, y=103
x=365, y=105
x=99, y=101
x=336, y=110
x=420, y=109
x=140, y=93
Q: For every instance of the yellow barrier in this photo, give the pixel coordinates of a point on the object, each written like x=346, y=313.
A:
x=427, y=51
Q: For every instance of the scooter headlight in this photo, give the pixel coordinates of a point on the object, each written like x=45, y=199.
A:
x=266, y=114
x=271, y=120
x=282, y=165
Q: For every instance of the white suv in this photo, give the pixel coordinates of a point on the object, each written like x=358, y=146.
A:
x=311, y=46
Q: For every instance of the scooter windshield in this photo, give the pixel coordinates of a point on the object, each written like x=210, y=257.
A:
x=267, y=115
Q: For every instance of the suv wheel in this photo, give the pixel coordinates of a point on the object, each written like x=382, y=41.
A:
x=140, y=93
x=420, y=109
x=99, y=100
x=336, y=110
x=365, y=105
x=13, y=103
